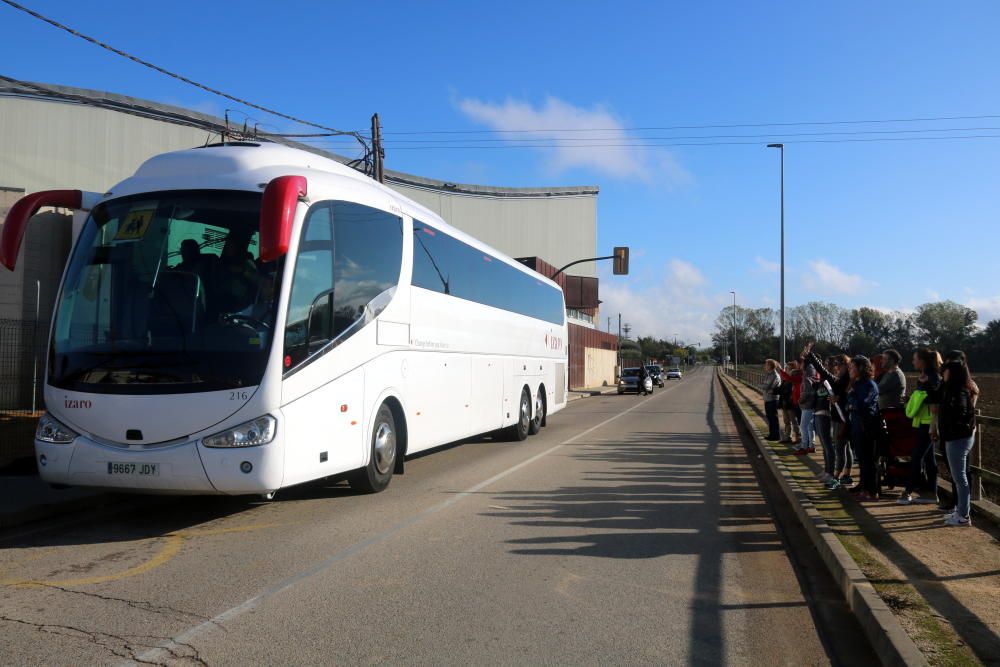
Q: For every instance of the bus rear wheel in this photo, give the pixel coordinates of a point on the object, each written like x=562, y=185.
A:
x=538, y=417
x=375, y=476
x=518, y=431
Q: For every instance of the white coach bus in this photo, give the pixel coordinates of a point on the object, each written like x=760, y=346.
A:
x=239, y=318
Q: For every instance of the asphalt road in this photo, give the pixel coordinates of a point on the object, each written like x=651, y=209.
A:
x=632, y=530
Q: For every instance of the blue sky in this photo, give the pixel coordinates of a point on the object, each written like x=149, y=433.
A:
x=887, y=224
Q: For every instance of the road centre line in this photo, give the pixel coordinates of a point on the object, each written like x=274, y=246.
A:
x=188, y=635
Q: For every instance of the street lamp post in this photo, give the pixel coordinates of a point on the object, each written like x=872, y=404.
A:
x=781, y=147
x=736, y=352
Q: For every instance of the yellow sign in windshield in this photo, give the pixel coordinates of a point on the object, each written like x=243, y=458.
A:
x=135, y=225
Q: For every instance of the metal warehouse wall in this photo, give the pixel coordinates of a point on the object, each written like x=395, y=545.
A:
x=558, y=228
x=48, y=143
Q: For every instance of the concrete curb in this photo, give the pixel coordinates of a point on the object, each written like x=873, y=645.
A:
x=890, y=641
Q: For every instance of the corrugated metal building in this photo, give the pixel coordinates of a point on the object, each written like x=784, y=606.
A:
x=60, y=137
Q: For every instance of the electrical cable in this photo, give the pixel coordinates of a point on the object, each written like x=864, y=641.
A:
x=179, y=77
x=928, y=119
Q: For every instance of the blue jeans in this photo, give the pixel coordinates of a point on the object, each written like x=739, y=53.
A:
x=922, y=460
x=958, y=454
x=771, y=411
x=807, y=426
x=822, y=423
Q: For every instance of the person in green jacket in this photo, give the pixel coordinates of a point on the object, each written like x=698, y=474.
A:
x=922, y=409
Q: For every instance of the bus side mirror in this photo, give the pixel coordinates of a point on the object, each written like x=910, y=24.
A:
x=17, y=219
x=621, y=261
x=277, y=215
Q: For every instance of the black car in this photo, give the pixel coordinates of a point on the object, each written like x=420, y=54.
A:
x=655, y=374
x=629, y=381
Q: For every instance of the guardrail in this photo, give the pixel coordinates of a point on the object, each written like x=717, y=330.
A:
x=987, y=427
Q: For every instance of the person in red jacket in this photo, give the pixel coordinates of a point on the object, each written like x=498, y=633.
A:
x=790, y=406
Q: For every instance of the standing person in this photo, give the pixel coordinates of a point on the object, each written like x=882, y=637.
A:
x=791, y=386
x=641, y=377
x=836, y=376
x=862, y=411
x=807, y=408
x=957, y=427
x=892, y=384
x=769, y=387
x=922, y=409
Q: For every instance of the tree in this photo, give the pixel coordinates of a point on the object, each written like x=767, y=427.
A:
x=945, y=325
x=869, y=330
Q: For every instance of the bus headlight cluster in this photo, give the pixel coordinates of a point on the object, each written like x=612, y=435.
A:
x=52, y=430
x=260, y=431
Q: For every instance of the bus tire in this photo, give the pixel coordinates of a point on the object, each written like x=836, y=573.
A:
x=518, y=431
x=538, y=416
x=375, y=476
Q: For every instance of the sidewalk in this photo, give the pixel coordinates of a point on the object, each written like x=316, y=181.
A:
x=574, y=394
x=943, y=584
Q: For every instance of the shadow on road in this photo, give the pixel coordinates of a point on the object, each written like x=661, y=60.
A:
x=657, y=494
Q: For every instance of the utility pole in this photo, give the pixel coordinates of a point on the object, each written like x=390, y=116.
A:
x=628, y=330
x=378, y=153
x=609, y=324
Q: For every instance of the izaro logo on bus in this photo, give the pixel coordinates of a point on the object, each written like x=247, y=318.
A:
x=76, y=404
x=553, y=343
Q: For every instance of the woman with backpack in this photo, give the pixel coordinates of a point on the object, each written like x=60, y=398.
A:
x=957, y=428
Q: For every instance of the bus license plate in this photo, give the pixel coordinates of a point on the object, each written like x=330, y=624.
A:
x=140, y=469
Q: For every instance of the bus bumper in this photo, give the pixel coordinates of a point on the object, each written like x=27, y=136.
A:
x=183, y=468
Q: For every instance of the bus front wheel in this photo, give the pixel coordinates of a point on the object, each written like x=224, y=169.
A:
x=375, y=476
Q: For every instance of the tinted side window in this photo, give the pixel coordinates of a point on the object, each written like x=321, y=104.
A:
x=444, y=264
x=368, y=245
x=309, y=311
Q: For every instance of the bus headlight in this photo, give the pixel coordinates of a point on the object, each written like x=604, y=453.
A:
x=260, y=431
x=52, y=430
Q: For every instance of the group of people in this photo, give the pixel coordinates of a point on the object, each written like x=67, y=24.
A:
x=842, y=400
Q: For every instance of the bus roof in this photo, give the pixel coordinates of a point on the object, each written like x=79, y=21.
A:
x=251, y=165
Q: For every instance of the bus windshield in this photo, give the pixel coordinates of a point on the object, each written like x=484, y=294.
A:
x=165, y=293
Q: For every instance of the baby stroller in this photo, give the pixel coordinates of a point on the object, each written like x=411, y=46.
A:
x=894, y=454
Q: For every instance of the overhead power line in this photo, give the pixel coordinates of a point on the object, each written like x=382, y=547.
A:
x=717, y=126
x=629, y=138
x=693, y=143
x=215, y=91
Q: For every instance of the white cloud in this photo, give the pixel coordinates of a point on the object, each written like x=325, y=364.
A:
x=766, y=265
x=601, y=149
x=686, y=273
x=824, y=277
x=680, y=304
x=988, y=308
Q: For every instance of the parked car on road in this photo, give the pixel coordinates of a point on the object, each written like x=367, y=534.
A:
x=629, y=381
x=655, y=374
x=674, y=374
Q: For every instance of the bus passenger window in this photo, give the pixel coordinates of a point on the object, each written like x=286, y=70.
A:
x=313, y=277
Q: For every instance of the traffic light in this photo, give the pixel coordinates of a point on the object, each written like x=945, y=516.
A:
x=621, y=261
